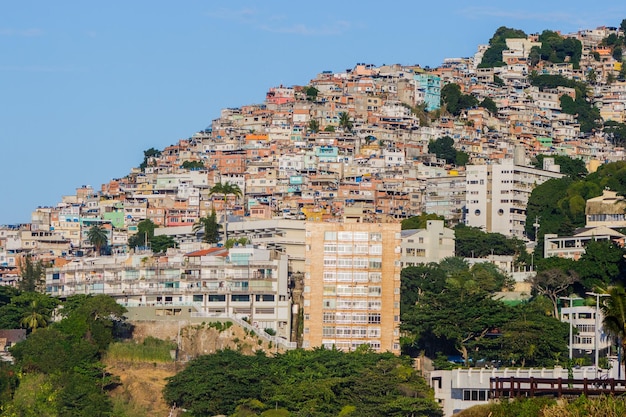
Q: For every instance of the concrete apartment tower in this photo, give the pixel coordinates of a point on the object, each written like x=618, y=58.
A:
x=352, y=286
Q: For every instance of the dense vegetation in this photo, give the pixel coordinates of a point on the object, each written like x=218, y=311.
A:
x=57, y=369
x=443, y=148
x=493, y=55
x=455, y=101
x=450, y=309
x=556, y=49
x=302, y=383
x=559, y=204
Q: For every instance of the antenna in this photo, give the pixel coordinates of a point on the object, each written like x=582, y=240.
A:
x=536, y=226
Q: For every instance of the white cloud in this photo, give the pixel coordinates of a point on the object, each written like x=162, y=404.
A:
x=36, y=68
x=238, y=15
x=20, y=32
x=336, y=28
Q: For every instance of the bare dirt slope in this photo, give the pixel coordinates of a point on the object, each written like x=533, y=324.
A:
x=142, y=385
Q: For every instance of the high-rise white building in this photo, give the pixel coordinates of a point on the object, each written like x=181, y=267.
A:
x=497, y=195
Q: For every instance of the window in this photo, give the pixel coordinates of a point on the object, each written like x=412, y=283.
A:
x=197, y=298
x=214, y=298
x=376, y=263
x=240, y=297
x=475, y=395
x=345, y=236
x=330, y=235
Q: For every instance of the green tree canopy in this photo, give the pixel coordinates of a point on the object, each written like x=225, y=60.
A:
x=147, y=155
x=98, y=237
x=575, y=168
x=489, y=105
x=455, y=101
x=420, y=221
x=493, y=55
x=319, y=382
x=32, y=274
x=209, y=226
x=161, y=243
x=191, y=165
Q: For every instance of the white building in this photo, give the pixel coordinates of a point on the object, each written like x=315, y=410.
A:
x=423, y=246
x=497, y=195
x=242, y=282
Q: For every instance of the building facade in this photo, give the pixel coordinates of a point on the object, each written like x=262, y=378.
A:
x=352, y=286
x=497, y=195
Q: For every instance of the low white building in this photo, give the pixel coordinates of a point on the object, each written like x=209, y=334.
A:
x=423, y=246
x=462, y=388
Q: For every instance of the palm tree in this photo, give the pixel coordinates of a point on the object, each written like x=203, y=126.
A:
x=34, y=317
x=97, y=236
x=225, y=189
x=614, y=312
x=209, y=226
x=345, y=122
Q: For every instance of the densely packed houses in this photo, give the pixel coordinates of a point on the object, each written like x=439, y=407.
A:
x=348, y=147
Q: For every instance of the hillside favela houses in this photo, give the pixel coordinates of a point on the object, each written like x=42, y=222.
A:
x=323, y=175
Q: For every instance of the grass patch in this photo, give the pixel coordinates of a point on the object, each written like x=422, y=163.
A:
x=151, y=350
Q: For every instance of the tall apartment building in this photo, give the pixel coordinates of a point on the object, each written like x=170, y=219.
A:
x=352, y=286
x=497, y=195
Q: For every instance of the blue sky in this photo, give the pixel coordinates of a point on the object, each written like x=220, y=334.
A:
x=85, y=87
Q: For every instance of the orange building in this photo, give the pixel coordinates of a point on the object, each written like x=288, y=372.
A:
x=352, y=286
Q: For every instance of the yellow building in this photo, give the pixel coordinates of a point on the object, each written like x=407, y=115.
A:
x=352, y=286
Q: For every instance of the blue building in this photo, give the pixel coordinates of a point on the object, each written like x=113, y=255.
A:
x=428, y=90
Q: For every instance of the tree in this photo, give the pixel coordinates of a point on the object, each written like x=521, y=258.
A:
x=145, y=233
x=601, y=265
x=32, y=274
x=552, y=283
x=191, y=165
x=98, y=237
x=493, y=55
x=225, y=189
x=311, y=93
x=209, y=226
x=147, y=156
x=35, y=317
x=489, y=105
x=12, y=314
x=314, y=126
x=443, y=148
x=161, y=243
x=575, y=168
x=345, y=122
x=419, y=222
x=455, y=101
x=614, y=312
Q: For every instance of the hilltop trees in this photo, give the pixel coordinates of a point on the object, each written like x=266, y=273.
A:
x=557, y=49
x=147, y=156
x=493, y=55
